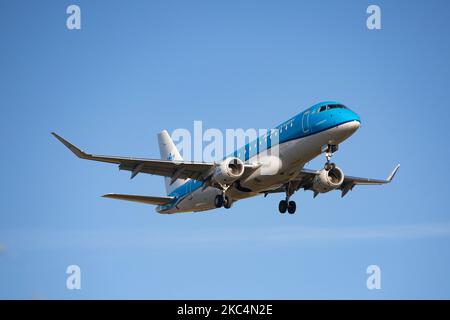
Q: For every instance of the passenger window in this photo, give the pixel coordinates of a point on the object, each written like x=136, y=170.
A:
x=322, y=108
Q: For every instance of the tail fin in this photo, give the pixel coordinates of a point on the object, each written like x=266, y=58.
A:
x=169, y=151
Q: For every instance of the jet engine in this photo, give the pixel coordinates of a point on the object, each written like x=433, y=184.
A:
x=328, y=180
x=228, y=171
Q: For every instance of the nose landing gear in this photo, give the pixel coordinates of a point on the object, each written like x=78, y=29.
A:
x=329, y=150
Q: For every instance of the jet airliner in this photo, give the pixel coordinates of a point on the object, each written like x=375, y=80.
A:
x=199, y=186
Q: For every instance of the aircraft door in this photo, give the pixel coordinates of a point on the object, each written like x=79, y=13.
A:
x=305, y=121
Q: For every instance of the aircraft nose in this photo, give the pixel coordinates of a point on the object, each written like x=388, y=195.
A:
x=355, y=120
x=352, y=122
x=354, y=125
x=348, y=128
x=354, y=116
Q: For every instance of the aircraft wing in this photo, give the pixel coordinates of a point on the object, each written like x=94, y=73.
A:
x=169, y=168
x=305, y=180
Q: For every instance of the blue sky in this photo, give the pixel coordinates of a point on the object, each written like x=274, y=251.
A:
x=139, y=67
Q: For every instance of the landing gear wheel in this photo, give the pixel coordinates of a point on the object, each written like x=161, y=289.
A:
x=282, y=206
x=329, y=165
x=291, y=207
x=219, y=201
x=227, y=202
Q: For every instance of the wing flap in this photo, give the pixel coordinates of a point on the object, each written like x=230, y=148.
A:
x=141, y=199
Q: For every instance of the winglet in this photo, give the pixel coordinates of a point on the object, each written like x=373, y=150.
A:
x=392, y=175
x=79, y=153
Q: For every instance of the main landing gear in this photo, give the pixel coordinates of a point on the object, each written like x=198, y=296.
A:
x=222, y=200
x=286, y=205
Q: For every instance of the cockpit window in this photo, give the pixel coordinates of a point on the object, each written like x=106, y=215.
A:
x=335, y=106
x=332, y=106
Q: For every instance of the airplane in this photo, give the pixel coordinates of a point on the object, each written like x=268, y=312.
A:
x=199, y=186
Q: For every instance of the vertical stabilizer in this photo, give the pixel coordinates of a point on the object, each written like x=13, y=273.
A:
x=168, y=151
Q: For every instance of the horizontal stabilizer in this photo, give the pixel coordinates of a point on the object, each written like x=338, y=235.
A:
x=141, y=199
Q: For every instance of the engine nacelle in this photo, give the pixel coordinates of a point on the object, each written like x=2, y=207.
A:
x=328, y=180
x=228, y=171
